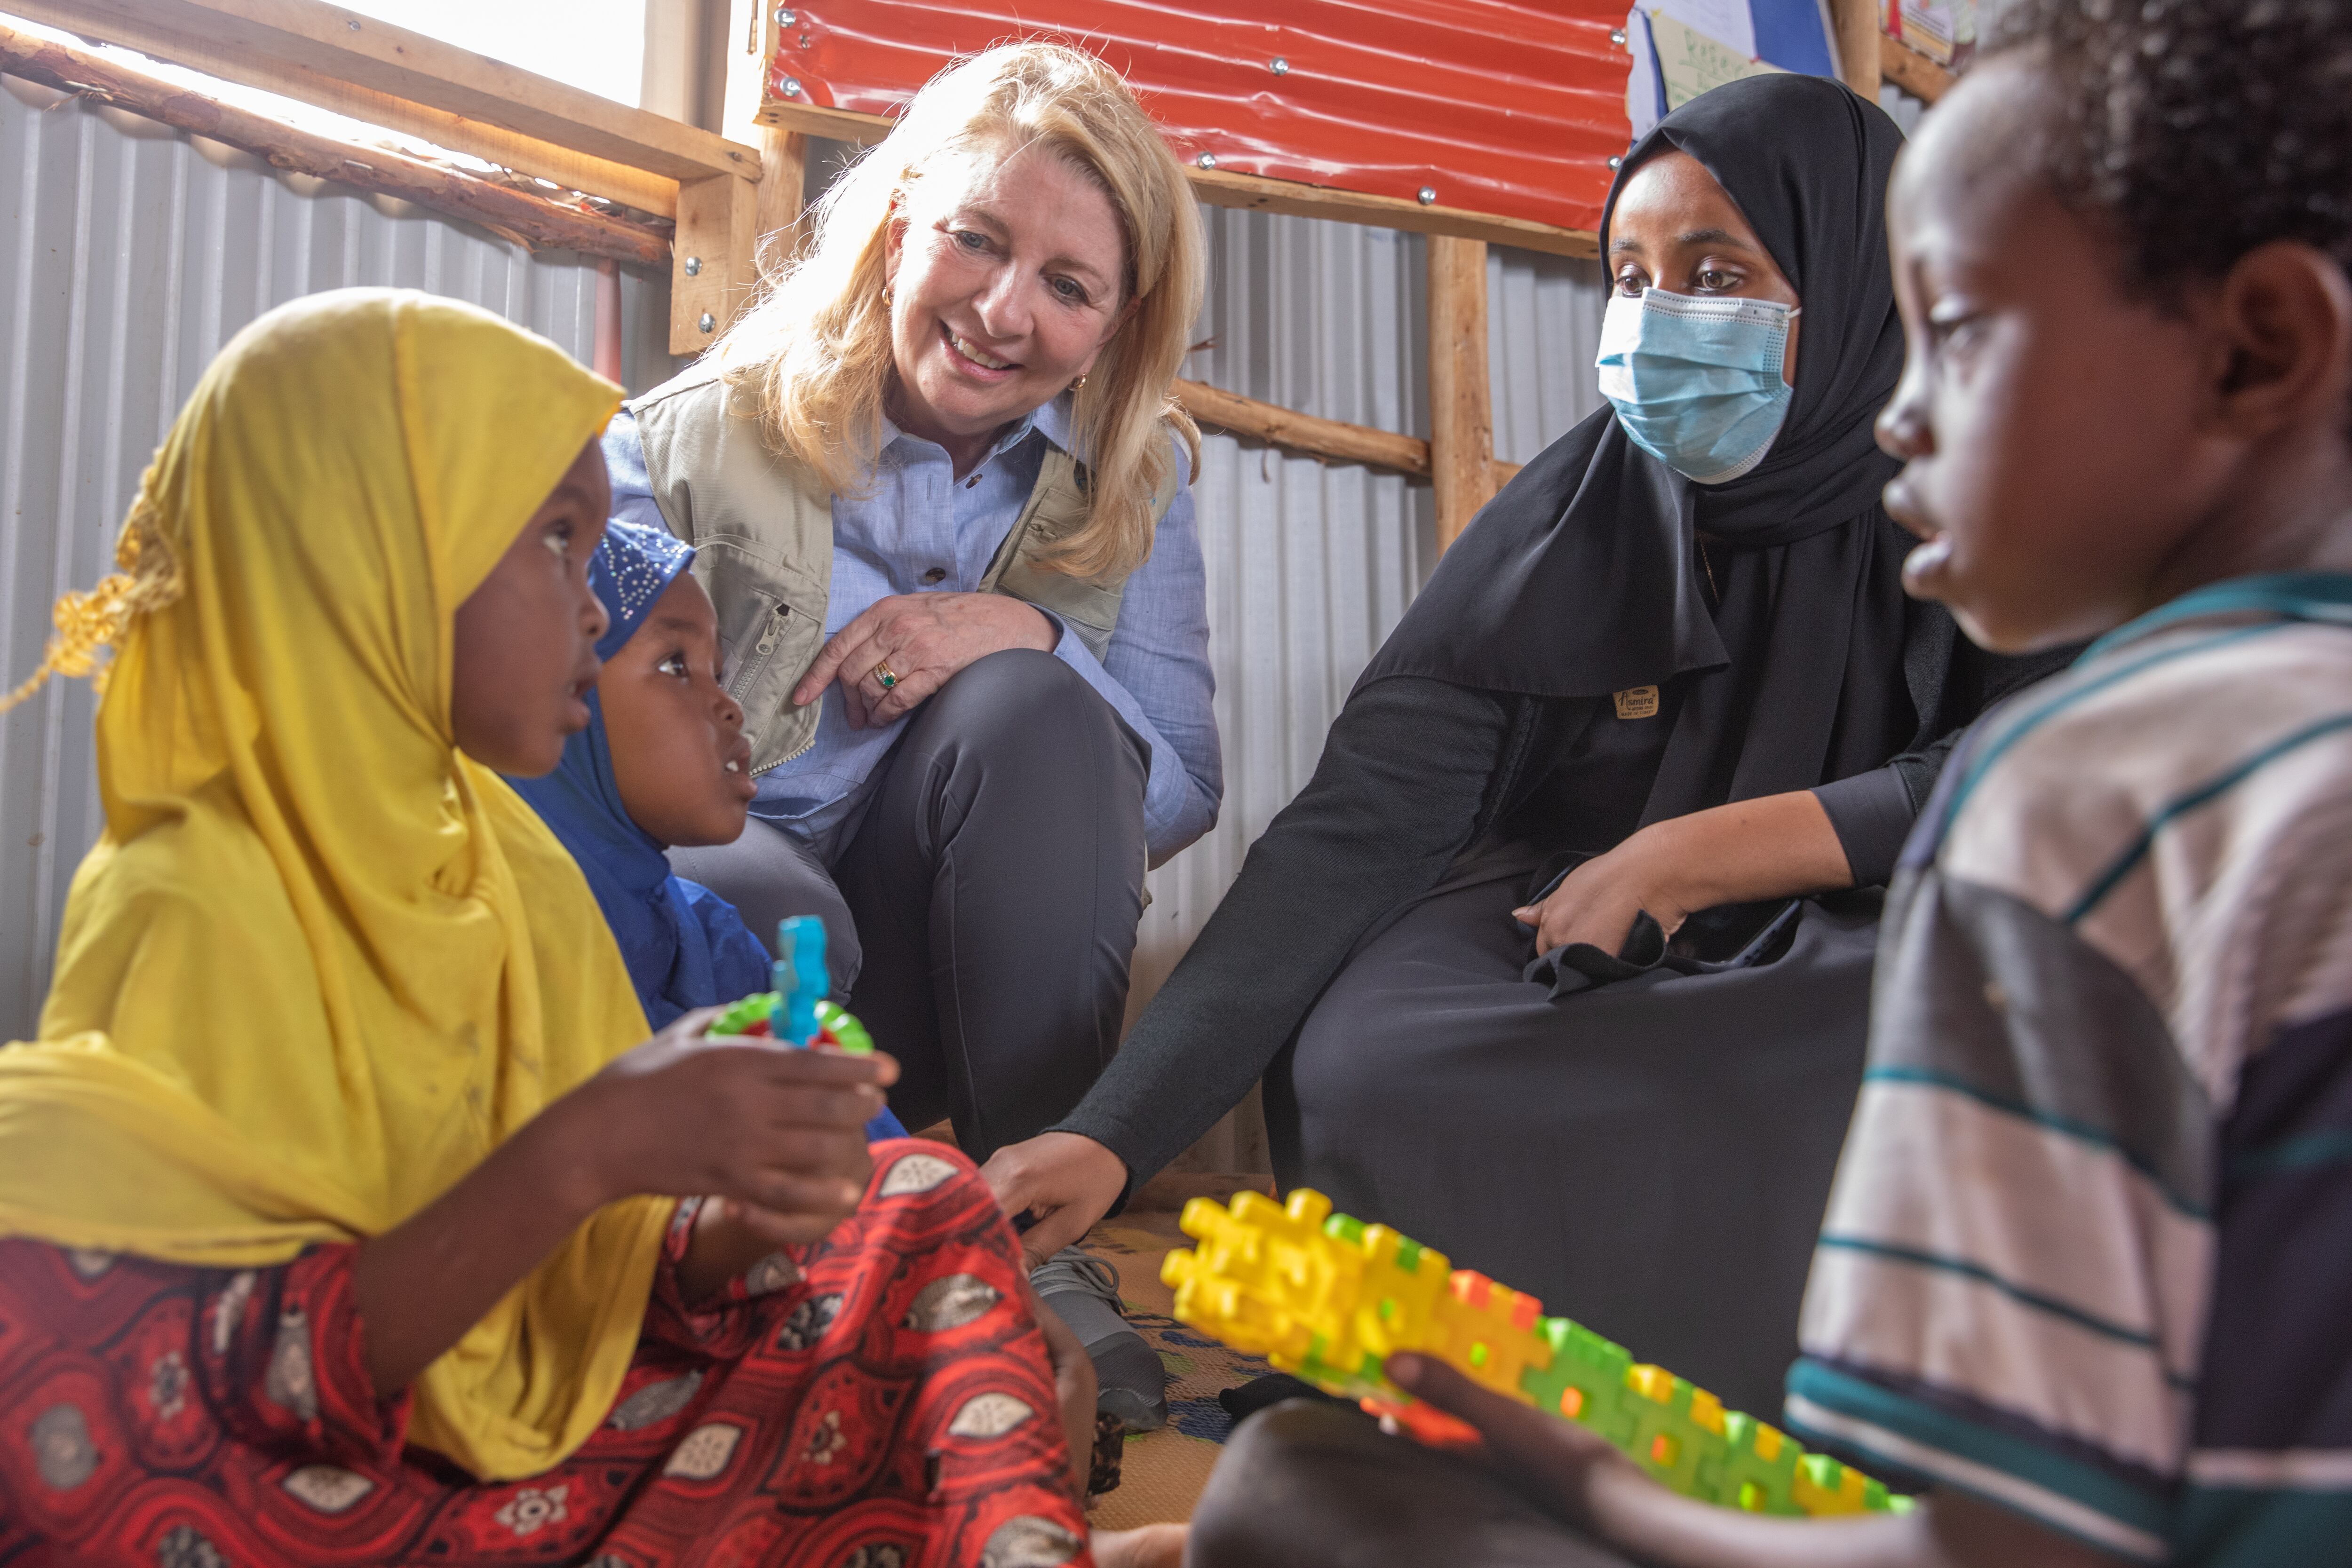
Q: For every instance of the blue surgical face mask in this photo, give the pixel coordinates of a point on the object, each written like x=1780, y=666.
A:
x=1696, y=382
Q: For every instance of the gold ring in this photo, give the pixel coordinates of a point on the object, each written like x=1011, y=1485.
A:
x=882, y=672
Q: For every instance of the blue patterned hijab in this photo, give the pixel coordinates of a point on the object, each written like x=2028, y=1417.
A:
x=685, y=945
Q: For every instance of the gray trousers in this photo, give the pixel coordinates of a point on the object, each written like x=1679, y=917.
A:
x=982, y=920
x=1308, y=1485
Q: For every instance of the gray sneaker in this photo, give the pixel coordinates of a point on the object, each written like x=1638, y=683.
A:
x=1083, y=1292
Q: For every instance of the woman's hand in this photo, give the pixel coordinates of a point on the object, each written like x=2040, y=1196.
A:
x=1597, y=902
x=778, y=1135
x=1777, y=846
x=924, y=639
x=1067, y=1181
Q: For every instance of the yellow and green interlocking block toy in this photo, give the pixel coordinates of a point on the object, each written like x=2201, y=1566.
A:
x=1329, y=1298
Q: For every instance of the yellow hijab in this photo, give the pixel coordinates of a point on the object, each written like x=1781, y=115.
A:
x=321, y=962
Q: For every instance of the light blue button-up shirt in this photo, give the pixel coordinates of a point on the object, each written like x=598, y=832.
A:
x=919, y=520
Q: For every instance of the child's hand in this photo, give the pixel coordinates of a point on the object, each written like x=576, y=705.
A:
x=1558, y=1456
x=776, y=1130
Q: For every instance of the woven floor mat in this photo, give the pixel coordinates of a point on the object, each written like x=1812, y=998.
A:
x=1163, y=1471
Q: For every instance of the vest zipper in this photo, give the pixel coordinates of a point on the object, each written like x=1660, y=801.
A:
x=765, y=649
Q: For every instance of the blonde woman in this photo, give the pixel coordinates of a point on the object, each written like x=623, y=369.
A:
x=941, y=495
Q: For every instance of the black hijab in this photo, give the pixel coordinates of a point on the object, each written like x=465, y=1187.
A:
x=1583, y=576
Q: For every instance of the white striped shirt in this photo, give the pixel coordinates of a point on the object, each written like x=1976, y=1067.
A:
x=2089, y=1252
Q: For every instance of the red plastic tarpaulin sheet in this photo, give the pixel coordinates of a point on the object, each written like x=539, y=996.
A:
x=1492, y=106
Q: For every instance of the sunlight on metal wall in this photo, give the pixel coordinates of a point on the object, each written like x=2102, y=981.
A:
x=132, y=253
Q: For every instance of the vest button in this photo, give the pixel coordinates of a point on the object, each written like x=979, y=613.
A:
x=937, y=574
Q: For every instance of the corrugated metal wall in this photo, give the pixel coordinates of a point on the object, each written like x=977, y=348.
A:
x=133, y=254
x=130, y=255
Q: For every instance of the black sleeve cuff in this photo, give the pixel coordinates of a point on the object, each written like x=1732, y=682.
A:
x=1086, y=1127
x=1872, y=813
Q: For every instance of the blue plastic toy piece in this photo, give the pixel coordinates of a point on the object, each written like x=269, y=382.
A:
x=802, y=979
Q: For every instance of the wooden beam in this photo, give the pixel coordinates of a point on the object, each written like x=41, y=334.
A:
x=1461, y=408
x=1222, y=188
x=348, y=47
x=386, y=76
x=525, y=219
x=1912, y=71
x=721, y=220
x=783, y=151
x=832, y=124
x=784, y=186
x=714, y=262
x=563, y=167
x=1856, y=25
x=1326, y=438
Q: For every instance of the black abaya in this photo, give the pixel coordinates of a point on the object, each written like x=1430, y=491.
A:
x=1650, y=1154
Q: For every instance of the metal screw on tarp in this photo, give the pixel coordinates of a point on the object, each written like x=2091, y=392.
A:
x=786, y=19
x=792, y=86
x=1616, y=160
x=708, y=322
x=1617, y=37
x=1280, y=67
x=1206, y=160
x=1429, y=195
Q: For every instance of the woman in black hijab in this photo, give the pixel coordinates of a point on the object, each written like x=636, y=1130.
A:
x=1702, y=699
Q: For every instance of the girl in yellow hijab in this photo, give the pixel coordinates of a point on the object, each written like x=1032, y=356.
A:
x=344, y=1217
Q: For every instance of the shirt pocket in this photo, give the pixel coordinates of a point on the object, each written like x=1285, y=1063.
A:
x=771, y=626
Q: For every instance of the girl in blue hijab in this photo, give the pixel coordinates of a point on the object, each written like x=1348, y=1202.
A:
x=663, y=761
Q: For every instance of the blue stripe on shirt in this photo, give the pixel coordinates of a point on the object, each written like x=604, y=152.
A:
x=1879, y=1424
x=2205, y=794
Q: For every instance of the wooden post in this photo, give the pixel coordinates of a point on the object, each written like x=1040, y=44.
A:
x=711, y=260
x=1461, y=404
x=722, y=222
x=1857, y=44
x=783, y=181
x=783, y=151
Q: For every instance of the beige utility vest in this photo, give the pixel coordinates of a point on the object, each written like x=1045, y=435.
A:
x=763, y=530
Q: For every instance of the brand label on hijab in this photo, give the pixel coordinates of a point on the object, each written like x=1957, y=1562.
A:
x=1637, y=702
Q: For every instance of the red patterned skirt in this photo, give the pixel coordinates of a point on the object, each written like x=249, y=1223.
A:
x=880, y=1400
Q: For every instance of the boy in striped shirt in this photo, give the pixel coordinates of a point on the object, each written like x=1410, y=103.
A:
x=2086, y=1274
